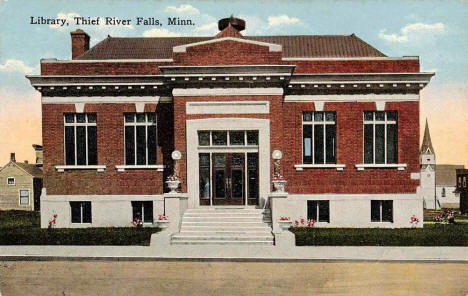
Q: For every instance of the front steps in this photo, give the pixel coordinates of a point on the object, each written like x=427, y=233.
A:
x=225, y=226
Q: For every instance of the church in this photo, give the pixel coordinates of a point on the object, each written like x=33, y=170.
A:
x=230, y=133
x=438, y=181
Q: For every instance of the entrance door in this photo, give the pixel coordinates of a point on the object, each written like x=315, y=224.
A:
x=228, y=178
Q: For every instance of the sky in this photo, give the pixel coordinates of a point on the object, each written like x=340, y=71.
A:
x=436, y=31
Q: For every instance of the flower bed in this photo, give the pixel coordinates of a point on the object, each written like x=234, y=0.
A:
x=23, y=228
x=430, y=235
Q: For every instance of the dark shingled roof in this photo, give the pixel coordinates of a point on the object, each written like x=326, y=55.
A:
x=446, y=174
x=31, y=169
x=305, y=46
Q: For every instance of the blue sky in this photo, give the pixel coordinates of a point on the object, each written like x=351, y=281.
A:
x=434, y=30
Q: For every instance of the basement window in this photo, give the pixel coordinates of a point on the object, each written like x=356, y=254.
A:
x=381, y=210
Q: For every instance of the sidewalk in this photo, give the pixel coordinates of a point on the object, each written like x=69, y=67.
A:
x=234, y=253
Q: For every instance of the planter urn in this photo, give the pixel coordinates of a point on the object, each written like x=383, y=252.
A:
x=285, y=224
x=279, y=185
x=173, y=185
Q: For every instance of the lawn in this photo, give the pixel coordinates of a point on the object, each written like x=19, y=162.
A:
x=23, y=228
x=430, y=235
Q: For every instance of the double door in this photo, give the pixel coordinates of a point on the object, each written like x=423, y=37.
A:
x=228, y=178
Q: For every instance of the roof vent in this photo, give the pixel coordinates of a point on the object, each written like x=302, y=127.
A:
x=236, y=23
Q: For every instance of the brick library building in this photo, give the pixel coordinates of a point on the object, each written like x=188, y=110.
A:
x=313, y=127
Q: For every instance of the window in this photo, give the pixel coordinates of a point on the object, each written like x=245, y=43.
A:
x=11, y=181
x=140, y=139
x=380, y=137
x=80, y=139
x=459, y=182
x=24, y=196
x=143, y=210
x=227, y=138
x=318, y=137
x=443, y=192
x=464, y=182
x=382, y=210
x=80, y=211
x=318, y=210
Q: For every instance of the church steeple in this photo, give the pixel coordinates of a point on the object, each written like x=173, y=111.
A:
x=426, y=146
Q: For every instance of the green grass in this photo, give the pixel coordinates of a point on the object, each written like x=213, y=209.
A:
x=430, y=235
x=23, y=228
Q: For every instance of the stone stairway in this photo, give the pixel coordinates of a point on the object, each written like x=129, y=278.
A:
x=225, y=226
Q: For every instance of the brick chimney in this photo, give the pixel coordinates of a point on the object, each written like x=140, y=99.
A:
x=80, y=43
x=12, y=157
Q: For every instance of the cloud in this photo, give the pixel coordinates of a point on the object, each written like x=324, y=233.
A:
x=160, y=33
x=409, y=31
x=418, y=27
x=207, y=29
x=183, y=9
x=16, y=66
x=279, y=20
x=69, y=17
x=392, y=37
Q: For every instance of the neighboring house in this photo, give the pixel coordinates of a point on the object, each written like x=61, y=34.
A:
x=344, y=116
x=462, y=189
x=438, y=181
x=20, y=186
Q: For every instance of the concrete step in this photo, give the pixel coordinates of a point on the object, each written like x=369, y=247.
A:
x=221, y=219
x=224, y=223
x=190, y=237
x=192, y=211
x=234, y=232
x=223, y=214
x=227, y=228
x=220, y=242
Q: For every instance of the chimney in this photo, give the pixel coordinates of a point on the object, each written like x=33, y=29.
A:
x=80, y=43
x=12, y=157
x=236, y=23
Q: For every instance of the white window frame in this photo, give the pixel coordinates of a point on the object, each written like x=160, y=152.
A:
x=14, y=181
x=75, y=124
x=29, y=196
x=374, y=122
x=313, y=165
x=381, y=212
x=143, y=210
x=134, y=124
x=228, y=140
x=317, y=210
x=81, y=212
x=313, y=123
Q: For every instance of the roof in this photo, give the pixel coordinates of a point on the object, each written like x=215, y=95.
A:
x=302, y=46
x=31, y=169
x=427, y=143
x=446, y=174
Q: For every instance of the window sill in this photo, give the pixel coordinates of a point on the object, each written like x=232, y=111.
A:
x=123, y=168
x=398, y=166
x=62, y=168
x=338, y=167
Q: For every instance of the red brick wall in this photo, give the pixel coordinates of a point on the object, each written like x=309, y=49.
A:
x=101, y=68
x=227, y=53
x=350, y=151
x=355, y=66
x=110, y=152
x=180, y=118
x=238, y=55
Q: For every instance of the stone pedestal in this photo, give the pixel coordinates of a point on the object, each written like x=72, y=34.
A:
x=175, y=205
x=277, y=202
x=284, y=239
